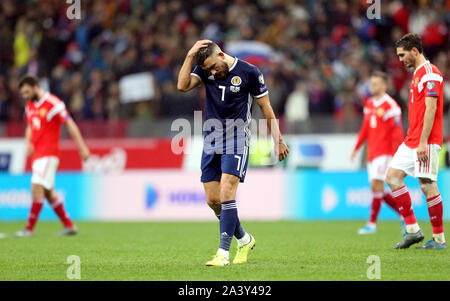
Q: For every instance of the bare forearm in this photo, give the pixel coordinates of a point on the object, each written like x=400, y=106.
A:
x=76, y=136
x=28, y=135
x=184, y=77
x=75, y=133
x=428, y=121
x=272, y=123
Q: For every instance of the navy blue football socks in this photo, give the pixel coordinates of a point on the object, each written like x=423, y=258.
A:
x=228, y=221
x=239, y=232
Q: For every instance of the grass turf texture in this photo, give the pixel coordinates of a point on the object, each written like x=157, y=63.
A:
x=178, y=251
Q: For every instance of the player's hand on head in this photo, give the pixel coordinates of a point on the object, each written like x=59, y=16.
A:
x=198, y=45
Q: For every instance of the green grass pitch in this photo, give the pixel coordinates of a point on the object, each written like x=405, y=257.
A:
x=178, y=251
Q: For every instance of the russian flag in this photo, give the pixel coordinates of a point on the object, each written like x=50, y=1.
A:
x=254, y=52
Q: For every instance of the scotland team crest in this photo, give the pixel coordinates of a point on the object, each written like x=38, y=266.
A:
x=236, y=81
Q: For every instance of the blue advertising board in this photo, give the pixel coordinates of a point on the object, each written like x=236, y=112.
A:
x=314, y=194
x=308, y=195
x=76, y=190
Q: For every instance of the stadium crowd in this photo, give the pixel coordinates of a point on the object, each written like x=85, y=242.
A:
x=325, y=50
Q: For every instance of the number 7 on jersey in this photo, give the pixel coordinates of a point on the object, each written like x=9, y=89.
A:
x=223, y=92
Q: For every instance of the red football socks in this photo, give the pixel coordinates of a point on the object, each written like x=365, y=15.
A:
x=403, y=201
x=389, y=199
x=376, y=206
x=58, y=207
x=36, y=208
x=435, y=210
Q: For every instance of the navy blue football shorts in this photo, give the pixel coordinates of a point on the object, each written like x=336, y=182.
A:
x=214, y=165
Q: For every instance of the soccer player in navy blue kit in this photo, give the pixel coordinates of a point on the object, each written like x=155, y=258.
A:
x=231, y=86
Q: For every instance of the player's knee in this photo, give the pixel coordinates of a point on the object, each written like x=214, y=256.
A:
x=38, y=192
x=50, y=196
x=424, y=187
x=226, y=192
x=377, y=186
x=394, y=181
x=427, y=186
x=213, y=201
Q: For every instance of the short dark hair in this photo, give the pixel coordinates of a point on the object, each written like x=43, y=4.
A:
x=28, y=80
x=410, y=40
x=381, y=74
x=204, y=53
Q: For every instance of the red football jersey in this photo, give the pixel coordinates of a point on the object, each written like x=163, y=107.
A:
x=45, y=117
x=427, y=81
x=382, y=127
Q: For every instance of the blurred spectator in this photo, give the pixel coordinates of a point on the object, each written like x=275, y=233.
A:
x=297, y=104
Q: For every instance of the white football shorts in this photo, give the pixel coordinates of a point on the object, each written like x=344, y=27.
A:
x=378, y=167
x=44, y=170
x=406, y=159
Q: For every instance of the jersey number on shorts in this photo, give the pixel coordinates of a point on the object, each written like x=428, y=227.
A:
x=239, y=161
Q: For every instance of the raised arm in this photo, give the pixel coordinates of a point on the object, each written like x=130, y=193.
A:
x=187, y=81
x=74, y=132
x=281, y=148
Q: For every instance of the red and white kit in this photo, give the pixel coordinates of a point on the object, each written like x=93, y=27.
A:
x=427, y=81
x=382, y=127
x=45, y=118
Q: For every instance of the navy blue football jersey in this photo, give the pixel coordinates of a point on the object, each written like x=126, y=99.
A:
x=228, y=106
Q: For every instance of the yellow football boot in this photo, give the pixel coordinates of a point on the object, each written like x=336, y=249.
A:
x=242, y=251
x=218, y=261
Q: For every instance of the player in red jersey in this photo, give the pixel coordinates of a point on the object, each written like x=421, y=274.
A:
x=382, y=128
x=418, y=155
x=44, y=114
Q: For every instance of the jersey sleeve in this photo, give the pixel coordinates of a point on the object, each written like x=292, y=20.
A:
x=430, y=84
x=59, y=113
x=257, y=86
x=397, y=133
x=199, y=72
x=395, y=113
x=393, y=117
